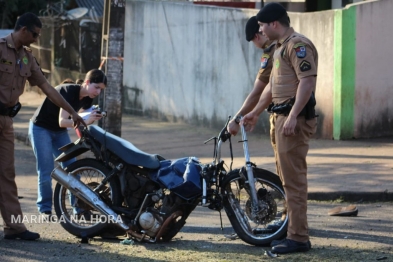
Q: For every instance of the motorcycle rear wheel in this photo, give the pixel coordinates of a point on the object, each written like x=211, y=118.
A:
x=91, y=173
x=181, y=207
x=252, y=229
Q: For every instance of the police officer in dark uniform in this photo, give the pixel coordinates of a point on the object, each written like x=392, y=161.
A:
x=260, y=41
x=17, y=64
x=291, y=90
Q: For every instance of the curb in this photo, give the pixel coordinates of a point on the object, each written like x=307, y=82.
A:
x=357, y=197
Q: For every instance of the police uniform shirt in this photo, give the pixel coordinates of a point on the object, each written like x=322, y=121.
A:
x=16, y=66
x=266, y=63
x=47, y=115
x=295, y=58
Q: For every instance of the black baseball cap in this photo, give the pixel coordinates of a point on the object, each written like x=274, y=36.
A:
x=252, y=28
x=271, y=12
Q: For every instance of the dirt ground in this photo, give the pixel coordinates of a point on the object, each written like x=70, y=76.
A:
x=353, y=166
x=367, y=237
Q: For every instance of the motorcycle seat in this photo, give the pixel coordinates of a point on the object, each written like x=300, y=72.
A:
x=124, y=149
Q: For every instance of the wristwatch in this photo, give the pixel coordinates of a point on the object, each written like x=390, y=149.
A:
x=237, y=119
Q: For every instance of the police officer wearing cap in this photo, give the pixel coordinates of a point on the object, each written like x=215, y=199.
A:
x=260, y=41
x=292, y=86
x=17, y=64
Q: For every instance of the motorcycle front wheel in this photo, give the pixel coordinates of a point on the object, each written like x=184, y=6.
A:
x=251, y=224
x=89, y=222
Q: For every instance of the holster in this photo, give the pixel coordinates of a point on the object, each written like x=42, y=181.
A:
x=309, y=110
x=284, y=108
x=10, y=111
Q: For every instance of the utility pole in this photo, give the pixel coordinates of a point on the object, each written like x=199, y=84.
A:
x=112, y=50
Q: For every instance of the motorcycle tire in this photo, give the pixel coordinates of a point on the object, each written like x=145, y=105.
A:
x=91, y=172
x=252, y=228
x=184, y=209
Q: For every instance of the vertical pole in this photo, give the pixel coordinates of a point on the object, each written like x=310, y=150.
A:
x=112, y=50
x=104, y=50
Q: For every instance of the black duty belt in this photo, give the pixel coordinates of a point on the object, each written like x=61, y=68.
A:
x=10, y=111
x=283, y=109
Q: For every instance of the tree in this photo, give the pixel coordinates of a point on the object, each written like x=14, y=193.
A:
x=11, y=9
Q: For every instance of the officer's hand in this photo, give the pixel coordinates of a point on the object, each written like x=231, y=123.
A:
x=233, y=127
x=78, y=120
x=289, y=126
x=249, y=121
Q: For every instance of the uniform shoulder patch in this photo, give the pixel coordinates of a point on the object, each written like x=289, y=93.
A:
x=264, y=60
x=28, y=49
x=300, y=49
x=305, y=66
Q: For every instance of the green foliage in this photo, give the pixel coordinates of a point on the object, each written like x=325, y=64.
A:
x=11, y=9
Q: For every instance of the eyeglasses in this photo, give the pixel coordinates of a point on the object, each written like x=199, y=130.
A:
x=35, y=34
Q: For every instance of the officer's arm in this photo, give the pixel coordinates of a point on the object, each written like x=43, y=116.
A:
x=264, y=100
x=250, y=120
x=248, y=104
x=305, y=88
x=58, y=100
x=252, y=98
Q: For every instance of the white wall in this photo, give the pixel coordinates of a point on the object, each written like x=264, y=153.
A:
x=192, y=62
x=374, y=77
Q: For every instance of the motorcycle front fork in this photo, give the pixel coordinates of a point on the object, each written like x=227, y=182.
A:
x=250, y=175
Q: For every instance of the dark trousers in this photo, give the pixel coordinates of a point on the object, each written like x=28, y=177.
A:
x=9, y=203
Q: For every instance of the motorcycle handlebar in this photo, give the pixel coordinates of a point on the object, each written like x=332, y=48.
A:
x=224, y=134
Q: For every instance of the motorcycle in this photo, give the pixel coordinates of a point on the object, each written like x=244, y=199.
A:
x=150, y=198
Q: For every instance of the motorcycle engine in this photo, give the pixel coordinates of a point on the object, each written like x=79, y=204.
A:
x=136, y=187
x=150, y=223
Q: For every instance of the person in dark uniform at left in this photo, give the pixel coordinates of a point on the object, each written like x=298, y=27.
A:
x=17, y=64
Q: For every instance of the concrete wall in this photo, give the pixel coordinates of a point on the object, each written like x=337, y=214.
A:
x=374, y=77
x=192, y=63
x=186, y=61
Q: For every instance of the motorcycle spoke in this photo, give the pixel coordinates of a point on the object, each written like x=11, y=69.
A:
x=271, y=205
x=89, y=216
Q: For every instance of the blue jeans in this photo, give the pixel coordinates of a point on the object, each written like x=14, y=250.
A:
x=46, y=144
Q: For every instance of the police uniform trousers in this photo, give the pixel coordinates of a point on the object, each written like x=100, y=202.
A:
x=291, y=152
x=274, y=146
x=9, y=204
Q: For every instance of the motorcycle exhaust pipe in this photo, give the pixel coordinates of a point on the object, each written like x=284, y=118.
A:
x=87, y=195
